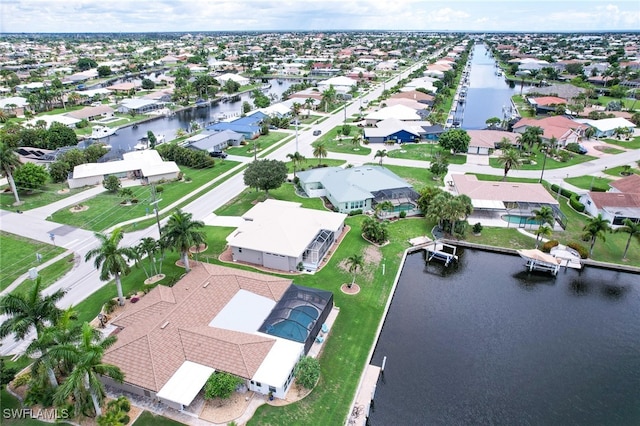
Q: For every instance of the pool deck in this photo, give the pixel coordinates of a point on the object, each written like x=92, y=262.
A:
x=316, y=348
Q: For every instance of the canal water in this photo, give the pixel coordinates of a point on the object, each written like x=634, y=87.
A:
x=127, y=137
x=488, y=343
x=488, y=94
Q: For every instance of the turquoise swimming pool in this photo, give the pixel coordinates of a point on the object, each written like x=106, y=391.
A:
x=297, y=325
x=520, y=220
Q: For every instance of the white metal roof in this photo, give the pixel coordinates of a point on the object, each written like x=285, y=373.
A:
x=245, y=312
x=147, y=161
x=185, y=383
x=277, y=365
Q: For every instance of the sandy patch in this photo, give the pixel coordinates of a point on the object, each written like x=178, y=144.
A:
x=78, y=208
x=355, y=289
x=372, y=254
x=154, y=279
x=62, y=191
x=222, y=411
x=198, y=249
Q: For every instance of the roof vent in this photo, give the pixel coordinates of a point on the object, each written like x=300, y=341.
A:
x=163, y=326
x=206, y=284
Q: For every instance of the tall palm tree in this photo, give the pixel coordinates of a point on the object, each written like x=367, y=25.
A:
x=29, y=311
x=9, y=162
x=543, y=215
x=83, y=383
x=181, y=232
x=296, y=158
x=149, y=247
x=111, y=259
x=510, y=159
x=633, y=229
x=595, y=228
x=320, y=152
x=54, y=347
x=381, y=153
x=355, y=262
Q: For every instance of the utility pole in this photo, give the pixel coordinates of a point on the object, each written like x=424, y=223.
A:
x=155, y=208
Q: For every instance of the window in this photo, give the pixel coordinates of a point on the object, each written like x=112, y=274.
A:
x=239, y=249
x=272, y=389
x=258, y=384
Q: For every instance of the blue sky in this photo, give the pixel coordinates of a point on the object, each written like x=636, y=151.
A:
x=264, y=15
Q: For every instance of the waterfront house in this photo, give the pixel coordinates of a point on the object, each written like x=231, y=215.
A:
x=562, y=128
x=359, y=188
x=92, y=113
x=284, y=236
x=392, y=130
x=606, y=128
x=253, y=326
x=341, y=85
x=483, y=142
x=546, y=104
x=242, y=81
x=399, y=112
x=620, y=202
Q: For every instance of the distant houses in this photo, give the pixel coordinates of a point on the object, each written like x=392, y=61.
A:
x=620, y=202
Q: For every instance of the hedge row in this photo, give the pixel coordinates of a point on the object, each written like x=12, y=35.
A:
x=574, y=199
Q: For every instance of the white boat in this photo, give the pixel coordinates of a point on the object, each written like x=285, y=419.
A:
x=99, y=132
x=143, y=143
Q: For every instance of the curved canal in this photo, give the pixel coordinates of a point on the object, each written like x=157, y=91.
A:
x=488, y=343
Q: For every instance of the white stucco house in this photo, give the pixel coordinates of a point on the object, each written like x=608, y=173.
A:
x=283, y=235
x=340, y=84
x=242, y=81
x=146, y=165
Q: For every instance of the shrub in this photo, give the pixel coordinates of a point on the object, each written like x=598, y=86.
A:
x=573, y=147
x=546, y=247
x=576, y=204
x=307, y=372
x=221, y=385
x=159, y=188
x=477, y=228
x=582, y=250
x=403, y=214
x=22, y=380
x=355, y=212
x=112, y=183
x=110, y=306
x=7, y=374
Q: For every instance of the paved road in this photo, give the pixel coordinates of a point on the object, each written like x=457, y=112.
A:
x=84, y=280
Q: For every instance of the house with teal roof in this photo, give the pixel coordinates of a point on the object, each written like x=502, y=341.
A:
x=360, y=188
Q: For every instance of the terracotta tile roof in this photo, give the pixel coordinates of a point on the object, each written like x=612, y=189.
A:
x=629, y=184
x=170, y=325
x=413, y=94
x=549, y=100
x=489, y=138
x=615, y=199
x=556, y=126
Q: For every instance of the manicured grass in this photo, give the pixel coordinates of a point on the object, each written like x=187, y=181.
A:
x=311, y=163
x=594, y=183
x=40, y=197
x=549, y=163
x=247, y=199
x=613, y=151
x=501, y=237
x=496, y=178
x=626, y=102
x=418, y=178
x=617, y=171
x=48, y=275
x=414, y=151
x=342, y=144
x=523, y=108
x=261, y=143
x=105, y=209
x=150, y=419
x=18, y=255
x=628, y=144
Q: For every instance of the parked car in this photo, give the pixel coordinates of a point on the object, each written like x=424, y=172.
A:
x=218, y=154
x=582, y=149
x=317, y=132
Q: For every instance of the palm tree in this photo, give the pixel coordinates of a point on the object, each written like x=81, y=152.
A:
x=381, y=153
x=296, y=158
x=633, y=229
x=594, y=229
x=29, y=311
x=355, y=262
x=54, y=347
x=510, y=158
x=9, y=162
x=320, y=152
x=181, y=232
x=149, y=247
x=541, y=232
x=543, y=215
x=111, y=259
x=83, y=383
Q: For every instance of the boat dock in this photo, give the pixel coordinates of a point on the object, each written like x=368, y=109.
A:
x=364, y=398
x=441, y=251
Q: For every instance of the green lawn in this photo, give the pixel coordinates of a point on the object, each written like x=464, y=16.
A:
x=628, y=144
x=595, y=183
x=247, y=199
x=310, y=163
x=502, y=237
x=342, y=144
x=41, y=197
x=626, y=102
x=18, y=255
x=612, y=151
x=423, y=151
x=418, y=178
x=496, y=178
x=523, y=107
x=105, y=209
x=261, y=144
x=537, y=159
x=48, y=275
x=617, y=171
x=9, y=402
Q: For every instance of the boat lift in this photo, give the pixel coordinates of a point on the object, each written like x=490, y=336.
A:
x=441, y=251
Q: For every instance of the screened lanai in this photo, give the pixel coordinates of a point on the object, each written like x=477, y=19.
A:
x=299, y=315
x=315, y=251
